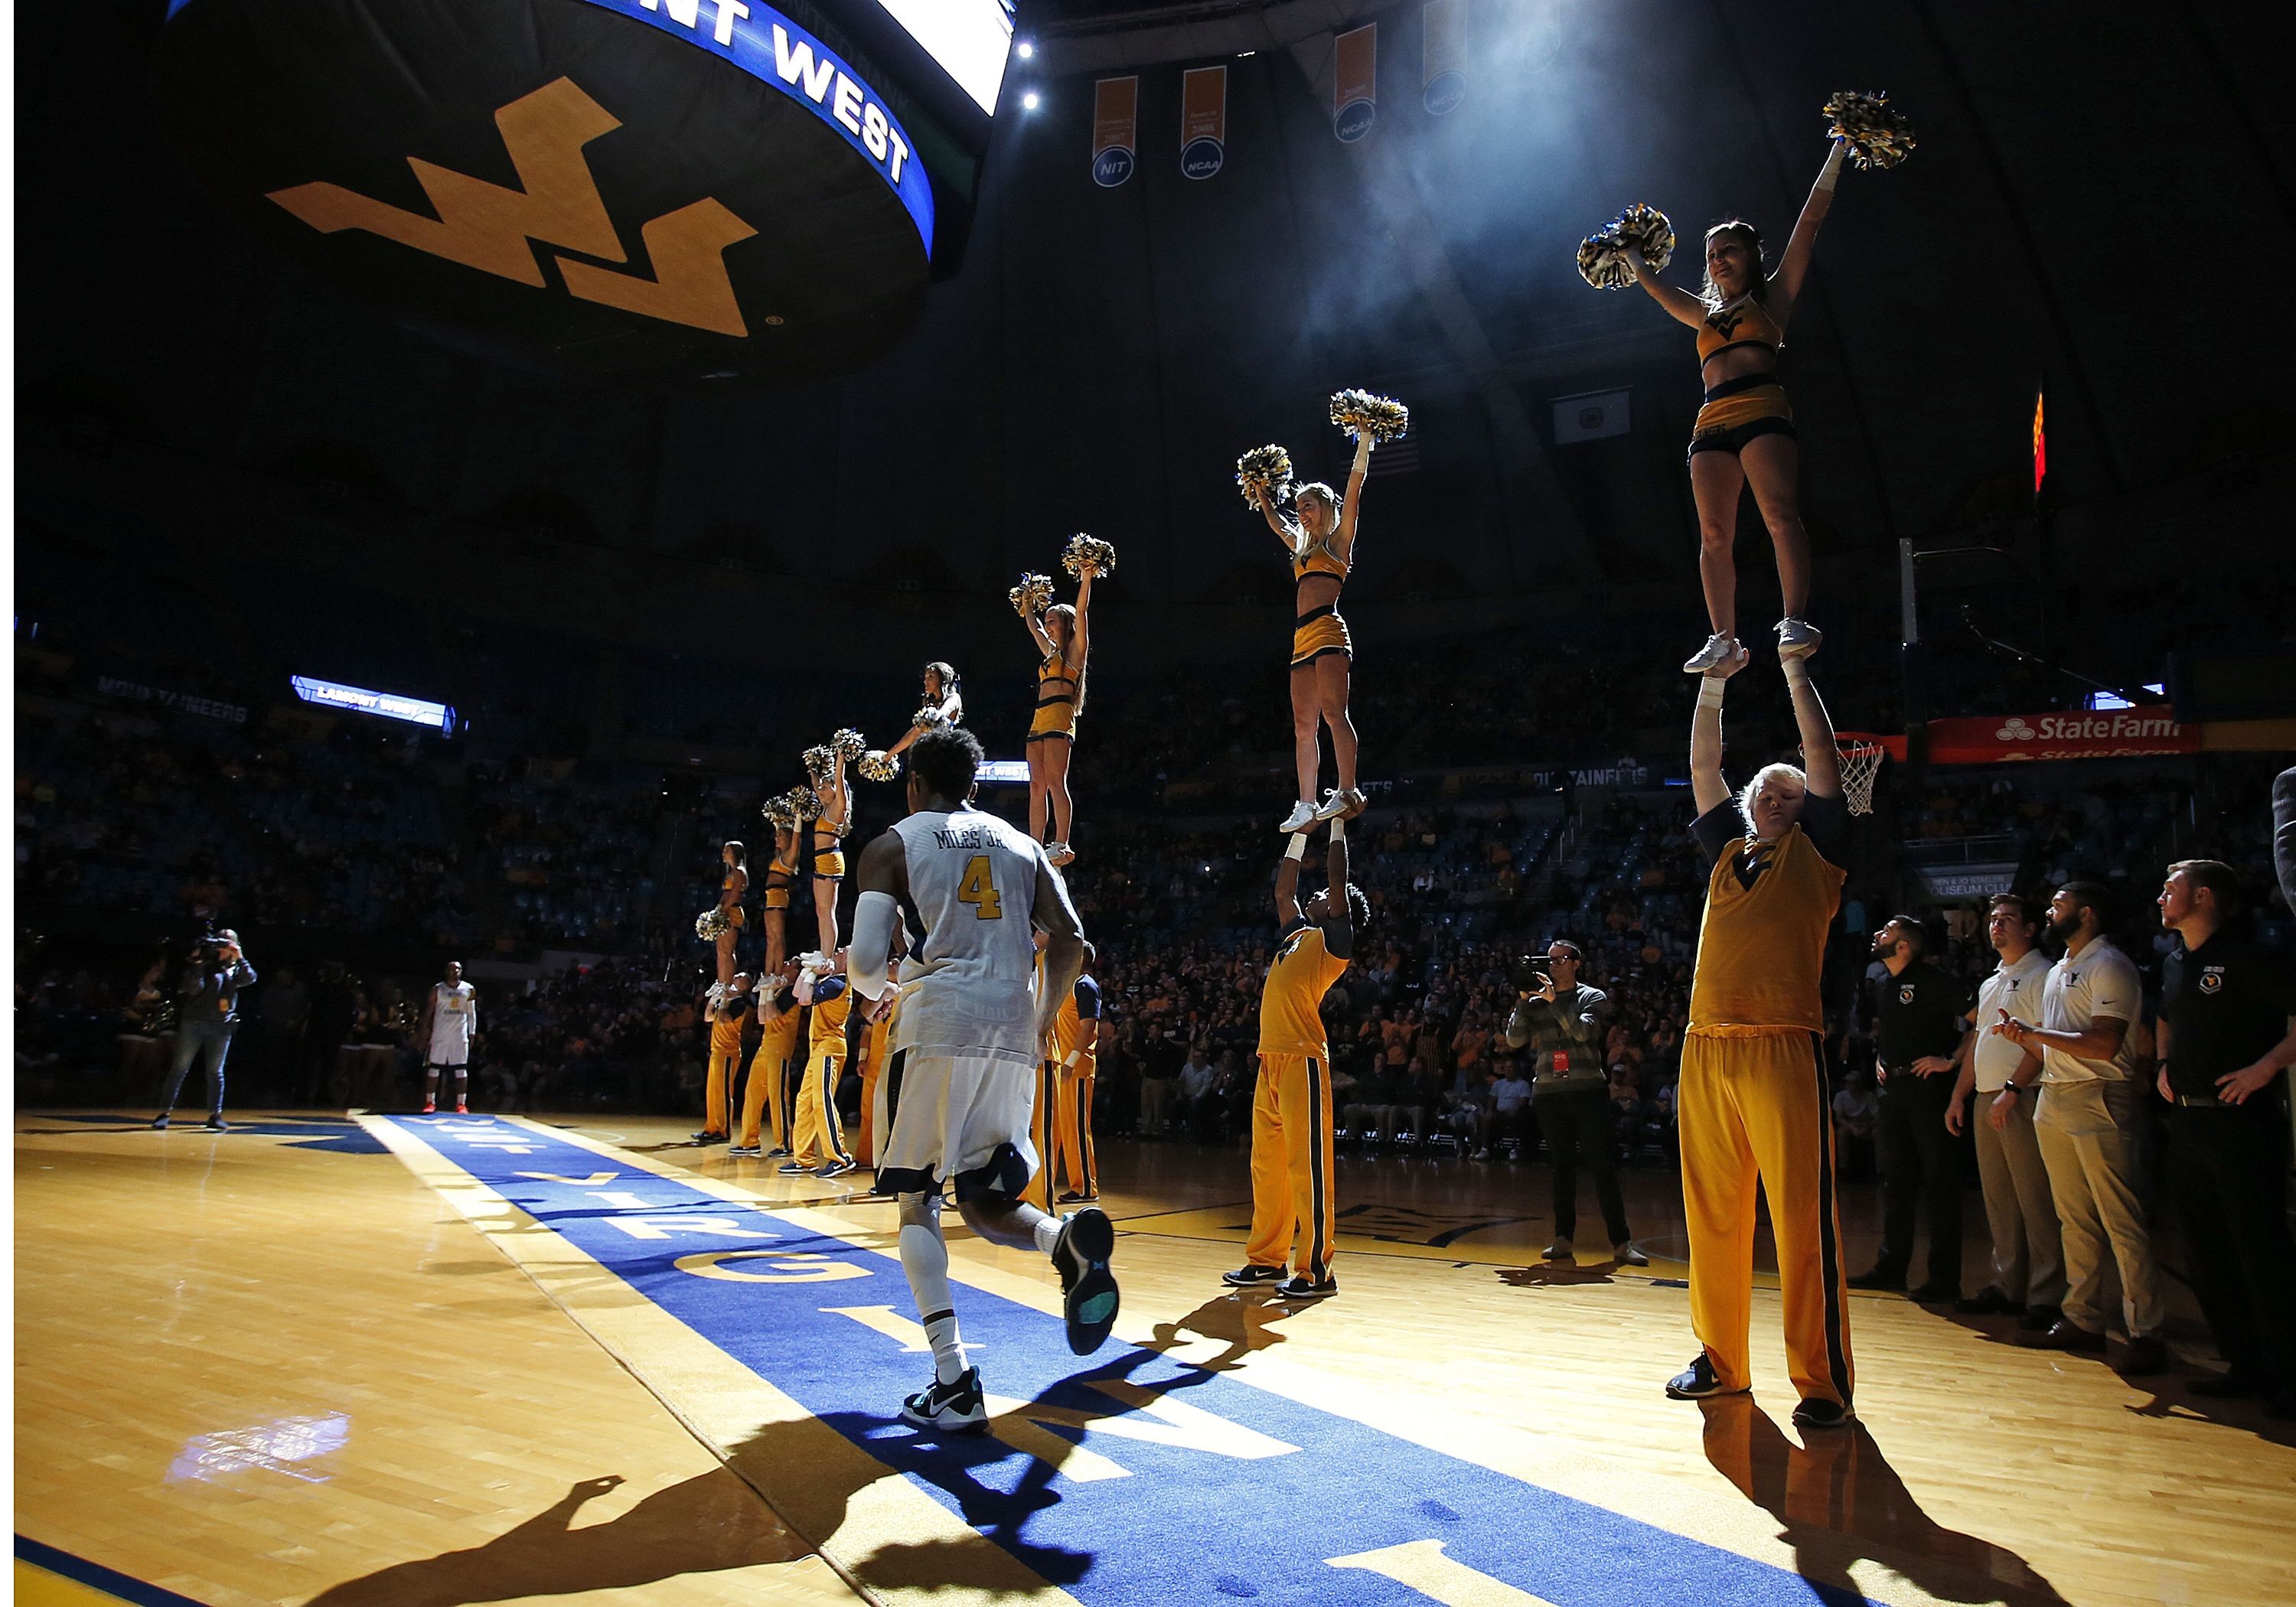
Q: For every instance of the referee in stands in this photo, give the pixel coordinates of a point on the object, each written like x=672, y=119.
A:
x=1918, y=1011
x=2227, y=1036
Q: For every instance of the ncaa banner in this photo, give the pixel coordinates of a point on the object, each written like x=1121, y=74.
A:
x=1115, y=130
x=1354, y=86
x=1443, y=39
x=1203, y=121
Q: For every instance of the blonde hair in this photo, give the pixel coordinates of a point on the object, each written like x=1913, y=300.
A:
x=1767, y=772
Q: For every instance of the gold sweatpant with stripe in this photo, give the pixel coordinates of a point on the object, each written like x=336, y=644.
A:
x=765, y=1102
x=1042, y=1121
x=1752, y=1108
x=816, y=1138
x=1072, y=1134
x=1292, y=1166
x=722, y=1063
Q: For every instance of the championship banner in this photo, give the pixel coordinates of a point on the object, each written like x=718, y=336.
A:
x=1355, y=71
x=1444, y=36
x=1115, y=130
x=1203, y=121
x=2122, y=734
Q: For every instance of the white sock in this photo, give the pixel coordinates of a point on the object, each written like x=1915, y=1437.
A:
x=924, y=1257
x=1047, y=1229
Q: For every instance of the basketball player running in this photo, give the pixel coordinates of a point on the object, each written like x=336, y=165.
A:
x=1753, y=1102
x=450, y=1020
x=1292, y=1108
x=973, y=1027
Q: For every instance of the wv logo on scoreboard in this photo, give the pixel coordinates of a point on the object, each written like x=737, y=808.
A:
x=494, y=228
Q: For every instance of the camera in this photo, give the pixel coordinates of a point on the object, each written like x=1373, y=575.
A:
x=1528, y=973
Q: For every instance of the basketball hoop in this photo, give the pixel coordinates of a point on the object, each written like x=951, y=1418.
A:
x=1860, y=755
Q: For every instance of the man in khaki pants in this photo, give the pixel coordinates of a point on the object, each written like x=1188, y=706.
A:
x=2086, y=1124
x=2029, y=1267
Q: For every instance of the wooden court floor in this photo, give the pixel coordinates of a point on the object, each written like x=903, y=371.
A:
x=280, y=1366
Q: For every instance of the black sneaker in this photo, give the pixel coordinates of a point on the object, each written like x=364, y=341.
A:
x=954, y=1408
x=1816, y=1412
x=775, y=1154
x=1073, y=1198
x=159, y=1124
x=1250, y=1276
x=1880, y=1278
x=835, y=1168
x=744, y=1152
x=216, y=1124
x=1697, y=1380
x=2040, y=1319
x=1088, y=1294
x=794, y=1169
x=705, y=1137
x=1299, y=1286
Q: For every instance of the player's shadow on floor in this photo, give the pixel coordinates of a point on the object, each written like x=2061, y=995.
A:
x=1547, y=1274
x=705, y=1524
x=1238, y=1321
x=1840, y=1502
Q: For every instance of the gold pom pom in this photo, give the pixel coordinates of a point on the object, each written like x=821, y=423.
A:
x=1878, y=134
x=928, y=719
x=712, y=924
x=803, y=804
x=877, y=765
x=820, y=762
x=1359, y=413
x=1088, y=552
x=848, y=743
x=1033, y=595
x=1602, y=254
x=1267, y=469
x=778, y=813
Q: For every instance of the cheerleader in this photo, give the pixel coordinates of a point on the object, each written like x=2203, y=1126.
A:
x=1063, y=642
x=1320, y=541
x=826, y=768
x=735, y=882
x=1745, y=433
x=781, y=878
x=944, y=704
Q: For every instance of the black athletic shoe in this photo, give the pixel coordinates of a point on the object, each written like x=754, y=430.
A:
x=835, y=1168
x=1252, y=1277
x=159, y=1124
x=794, y=1169
x=1088, y=1295
x=1880, y=1278
x=954, y=1408
x=705, y=1136
x=1934, y=1294
x=776, y=1154
x=1819, y=1413
x=216, y=1124
x=1299, y=1286
x=1073, y=1198
x=1697, y=1380
x=1989, y=1302
x=2040, y=1319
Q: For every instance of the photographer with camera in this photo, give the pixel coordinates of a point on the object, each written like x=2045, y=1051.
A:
x=207, y=1002
x=1562, y=1021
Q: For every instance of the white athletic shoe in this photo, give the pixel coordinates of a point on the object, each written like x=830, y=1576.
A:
x=1561, y=1251
x=951, y=1408
x=1719, y=648
x=1798, y=638
x=1059, y=854
x=1627, y=1254
x=1303, y=815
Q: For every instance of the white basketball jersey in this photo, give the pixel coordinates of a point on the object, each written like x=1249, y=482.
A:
x=452, y=1011
x=968, y=985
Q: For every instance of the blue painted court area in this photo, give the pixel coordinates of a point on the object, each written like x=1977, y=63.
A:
x=1205, y=1488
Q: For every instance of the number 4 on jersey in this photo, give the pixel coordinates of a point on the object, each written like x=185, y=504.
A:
x=979, y=889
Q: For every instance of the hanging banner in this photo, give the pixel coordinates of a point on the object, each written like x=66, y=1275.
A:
x=1355, y=71
x=1115, y=130
x=2122, y=734
x=1444, y=34
x=1203, y=121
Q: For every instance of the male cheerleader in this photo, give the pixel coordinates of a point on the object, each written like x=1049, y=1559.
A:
x=1054, y=1116
x=765, y=1098
x=1292, y=1108
x=450, y=1020
x=1752, y=1103
x=726, y=1010
x=1076, y=1043
x=818, y=1138
x=973, y=1027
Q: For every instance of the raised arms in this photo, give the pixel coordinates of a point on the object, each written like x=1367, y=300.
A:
x=1287, y=882
x=1708, y=789
x=1821, y=761
x=1793, y=266
x=1681, y=305
x=1343, y=538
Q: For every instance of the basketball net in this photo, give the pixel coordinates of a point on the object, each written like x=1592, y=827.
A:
x=1860, y=757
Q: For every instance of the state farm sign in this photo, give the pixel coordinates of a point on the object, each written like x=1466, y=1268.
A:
x=2123, y=733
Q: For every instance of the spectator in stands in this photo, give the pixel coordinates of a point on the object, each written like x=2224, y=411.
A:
x=1199, y=1107
x=1560, y=1021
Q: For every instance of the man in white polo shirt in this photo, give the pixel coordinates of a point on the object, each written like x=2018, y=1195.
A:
x=2029, y=1267
x=2086, y=1124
